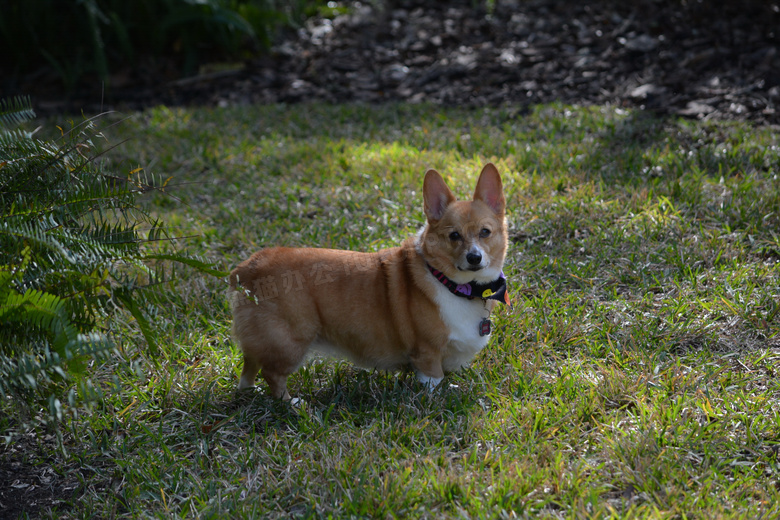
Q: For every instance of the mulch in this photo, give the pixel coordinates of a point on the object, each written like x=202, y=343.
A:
x=696, y=58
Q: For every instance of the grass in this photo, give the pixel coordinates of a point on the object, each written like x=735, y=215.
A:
x=634, y=378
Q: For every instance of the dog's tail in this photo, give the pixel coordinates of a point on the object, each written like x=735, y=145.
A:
x=234, y=279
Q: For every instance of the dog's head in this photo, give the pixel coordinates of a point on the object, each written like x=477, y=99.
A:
x=465, y=240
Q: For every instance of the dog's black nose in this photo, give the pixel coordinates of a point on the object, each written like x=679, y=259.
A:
x=474, y=258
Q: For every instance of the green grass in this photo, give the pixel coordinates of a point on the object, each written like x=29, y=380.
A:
x=634, y=378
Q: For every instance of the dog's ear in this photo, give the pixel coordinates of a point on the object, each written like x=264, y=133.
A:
x=436, y=195
x=490, y=190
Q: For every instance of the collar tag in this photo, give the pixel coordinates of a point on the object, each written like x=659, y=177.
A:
x=484, y=327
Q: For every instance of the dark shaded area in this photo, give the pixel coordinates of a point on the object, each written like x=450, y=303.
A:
x=51, y=47
x=699, y=59
x=30, y=487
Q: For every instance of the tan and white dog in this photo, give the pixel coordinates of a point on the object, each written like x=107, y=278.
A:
x=424, y=304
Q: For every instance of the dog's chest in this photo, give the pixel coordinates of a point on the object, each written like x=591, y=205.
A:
x=464, y=320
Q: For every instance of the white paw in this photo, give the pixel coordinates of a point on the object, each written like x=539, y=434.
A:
x=429, y=382
x=244, y=384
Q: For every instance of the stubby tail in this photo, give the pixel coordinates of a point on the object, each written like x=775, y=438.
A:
x=233, y=280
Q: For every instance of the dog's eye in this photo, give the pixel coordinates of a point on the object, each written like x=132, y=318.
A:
x=484, y=233
x=454, y=236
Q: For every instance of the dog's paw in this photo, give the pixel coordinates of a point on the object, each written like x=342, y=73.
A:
x=245, y=384
x=430, y=382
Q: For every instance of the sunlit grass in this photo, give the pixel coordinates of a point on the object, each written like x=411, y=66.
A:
x=634, y=377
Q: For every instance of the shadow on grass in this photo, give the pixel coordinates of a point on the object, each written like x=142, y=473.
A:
x=337, y=392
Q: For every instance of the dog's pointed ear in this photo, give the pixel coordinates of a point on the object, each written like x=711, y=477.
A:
x=490, y=190
x=436, y=195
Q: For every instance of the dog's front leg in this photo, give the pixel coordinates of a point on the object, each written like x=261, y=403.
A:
x=428, y=367
x=429, y=382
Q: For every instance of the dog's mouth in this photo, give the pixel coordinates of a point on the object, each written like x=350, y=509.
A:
x=472, y=268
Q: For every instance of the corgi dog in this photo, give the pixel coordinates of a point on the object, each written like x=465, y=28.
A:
x=423, y=305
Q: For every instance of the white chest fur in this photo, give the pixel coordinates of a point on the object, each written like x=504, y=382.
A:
x=462, y=317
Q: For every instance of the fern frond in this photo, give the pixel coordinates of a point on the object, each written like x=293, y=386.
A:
x=15, y=111
x=31, y=233
x=28, y=370
x=15, y=142
x=75, y=248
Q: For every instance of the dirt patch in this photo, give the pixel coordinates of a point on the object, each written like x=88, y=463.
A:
x=31, y=484
x=698, y=59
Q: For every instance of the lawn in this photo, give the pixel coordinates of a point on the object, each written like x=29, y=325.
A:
x=635, y=376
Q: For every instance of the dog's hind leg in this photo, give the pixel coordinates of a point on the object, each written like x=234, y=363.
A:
x=248, y=373
x=276, y=355
x=277, y=384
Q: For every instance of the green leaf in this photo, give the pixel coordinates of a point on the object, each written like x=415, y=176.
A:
x=200, y=265
x=124, y=296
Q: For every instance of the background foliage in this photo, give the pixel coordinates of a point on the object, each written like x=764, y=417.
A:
x=99, y=37
x=71, y=236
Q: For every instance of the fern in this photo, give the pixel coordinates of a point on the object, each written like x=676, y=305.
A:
x=72, y=252
x=15, y=112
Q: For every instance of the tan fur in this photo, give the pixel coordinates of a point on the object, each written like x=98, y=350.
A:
x=381, y=310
